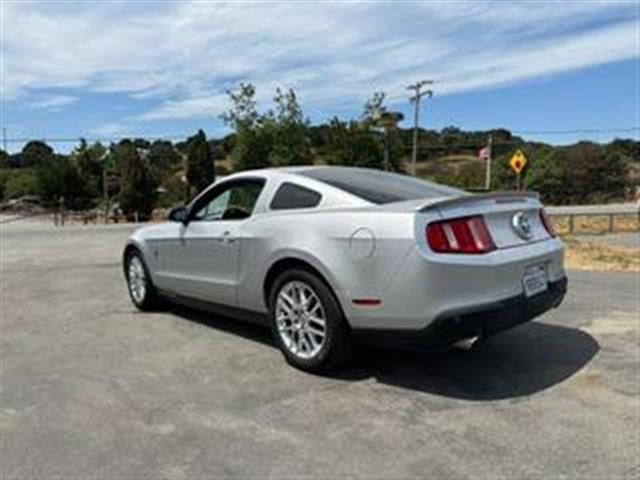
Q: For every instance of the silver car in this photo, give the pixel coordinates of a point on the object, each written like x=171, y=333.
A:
x=324, y=255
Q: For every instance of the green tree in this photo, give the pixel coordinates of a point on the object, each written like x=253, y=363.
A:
x=4, y=159
x=89, y=161
x=243, y=113
x=546, y=174
x=200, y=167
x=357, y=144
x=279, y=137
x=58, y=178
x=592, y=174
x=353, y=144
x=289, y=131
x=35, y=153
x=18, y=182
x=137, y=184
x=373, y=107
x=163, y=157
x=252, y=144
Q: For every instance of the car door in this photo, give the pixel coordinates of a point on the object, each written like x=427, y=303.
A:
x=204, y=261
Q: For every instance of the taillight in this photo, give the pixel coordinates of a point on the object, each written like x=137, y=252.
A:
x=548, y=224
x=460, y=235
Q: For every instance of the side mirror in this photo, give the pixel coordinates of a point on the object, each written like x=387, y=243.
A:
x=179, y=214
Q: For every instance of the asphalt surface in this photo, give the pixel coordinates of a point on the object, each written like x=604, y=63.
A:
x=91, y=387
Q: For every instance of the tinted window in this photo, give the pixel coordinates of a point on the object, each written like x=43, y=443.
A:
x=291, y=196
x=379, y=187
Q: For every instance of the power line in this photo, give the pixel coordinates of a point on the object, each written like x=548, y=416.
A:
x=99, y=139
x=186, y=135
x=578, y=130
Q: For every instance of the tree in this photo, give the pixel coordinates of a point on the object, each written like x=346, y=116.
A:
x=137, y=184
x=57, y=179
x=252, y=144
x=35, y=153
x=4, y=159
x=546, y=174
x=591, y=173
x=279, y=137
x=373, y=107
x=290, y=131
x=163, y=157
x=16, y=183
x=357, y=144
x=353, y=144
x=200, y=167
x=89, y=161
x=243, y=113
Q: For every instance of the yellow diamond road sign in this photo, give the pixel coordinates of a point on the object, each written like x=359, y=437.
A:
x=518, y=161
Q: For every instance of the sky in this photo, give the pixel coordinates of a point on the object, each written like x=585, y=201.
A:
x=141, y=68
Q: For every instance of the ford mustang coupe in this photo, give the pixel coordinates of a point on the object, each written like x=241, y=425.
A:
x=327, y=254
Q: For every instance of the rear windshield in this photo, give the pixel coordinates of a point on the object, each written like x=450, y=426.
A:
x=377, y=186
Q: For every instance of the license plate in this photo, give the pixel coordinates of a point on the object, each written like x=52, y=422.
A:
x=534, y=280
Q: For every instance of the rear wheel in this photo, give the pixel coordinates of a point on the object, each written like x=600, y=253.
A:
x=141, y=290
x=307, y=322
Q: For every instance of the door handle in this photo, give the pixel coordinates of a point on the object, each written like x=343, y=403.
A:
x=227, y=238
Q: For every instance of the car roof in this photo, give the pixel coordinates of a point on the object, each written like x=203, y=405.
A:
x=357, y=186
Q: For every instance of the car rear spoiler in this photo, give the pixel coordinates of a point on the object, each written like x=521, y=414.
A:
x=499, y=197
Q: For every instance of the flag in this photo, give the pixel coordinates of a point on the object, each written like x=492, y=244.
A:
x=485, y=153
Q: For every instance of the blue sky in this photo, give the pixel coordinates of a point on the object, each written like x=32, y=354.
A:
x=111, y=69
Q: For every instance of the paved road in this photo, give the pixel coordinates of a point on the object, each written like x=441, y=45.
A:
x=92, y=387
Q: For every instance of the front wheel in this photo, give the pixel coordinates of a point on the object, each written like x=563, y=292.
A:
x=141, y=290
x=307, y=322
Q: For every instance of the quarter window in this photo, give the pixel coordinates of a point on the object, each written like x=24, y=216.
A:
x=379, y=187
x=290, y=196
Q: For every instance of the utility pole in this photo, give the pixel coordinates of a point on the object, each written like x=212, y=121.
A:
x=4, y=139
x=487, y=183
x=417, y=96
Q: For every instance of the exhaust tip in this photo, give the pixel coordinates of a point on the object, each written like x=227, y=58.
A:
x=467, y=343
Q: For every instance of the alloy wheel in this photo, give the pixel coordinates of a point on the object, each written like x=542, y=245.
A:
x=137, y=279
x=300, y=319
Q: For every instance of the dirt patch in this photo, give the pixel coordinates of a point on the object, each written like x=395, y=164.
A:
x=585, y=255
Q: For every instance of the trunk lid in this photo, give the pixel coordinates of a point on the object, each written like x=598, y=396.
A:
x=512, y=218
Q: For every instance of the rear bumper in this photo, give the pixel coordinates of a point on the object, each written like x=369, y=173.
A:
x=484, y=320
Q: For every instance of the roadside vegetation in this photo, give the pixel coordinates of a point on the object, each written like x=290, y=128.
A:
x=582, y=254
x=139, y=175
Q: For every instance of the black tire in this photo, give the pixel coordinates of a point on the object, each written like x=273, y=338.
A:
x=336, y=346
x=150, y=301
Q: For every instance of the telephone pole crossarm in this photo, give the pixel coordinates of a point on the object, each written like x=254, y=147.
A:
x=417, y=88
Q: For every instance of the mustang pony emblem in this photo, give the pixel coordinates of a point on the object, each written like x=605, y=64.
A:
x=521, y=225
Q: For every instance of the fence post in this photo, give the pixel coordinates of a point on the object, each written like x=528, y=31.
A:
x=611, y=223
x=570, y=223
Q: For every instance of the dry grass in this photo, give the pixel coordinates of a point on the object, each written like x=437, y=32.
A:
x=584, y=255
x=599, y=224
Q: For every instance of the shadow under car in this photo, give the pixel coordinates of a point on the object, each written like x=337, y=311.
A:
x=524, y=360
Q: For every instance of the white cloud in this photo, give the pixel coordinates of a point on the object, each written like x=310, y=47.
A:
x=52, y=103
x=182, y=56
x=197, y=107
x=110, y=129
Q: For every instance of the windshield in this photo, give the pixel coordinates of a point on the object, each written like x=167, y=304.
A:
x=379, y=187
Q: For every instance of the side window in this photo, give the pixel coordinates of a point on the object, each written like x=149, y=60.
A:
x=236, y=202
x=291, y=196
